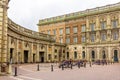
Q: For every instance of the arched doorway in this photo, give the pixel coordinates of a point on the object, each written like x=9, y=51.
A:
x=41, y=57
x=93, y=55
x=115, y=55
x=83, y=55
x=103, y=55
x=26, y=56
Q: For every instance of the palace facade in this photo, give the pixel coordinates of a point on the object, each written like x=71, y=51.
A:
x=93, y=34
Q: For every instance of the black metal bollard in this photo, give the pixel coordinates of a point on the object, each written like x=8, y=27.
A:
x=15, y=71
x=90, y=64
x=71, y=66
x=52, y=68
x=62, y=67
x=38, y=68
x=78, y=65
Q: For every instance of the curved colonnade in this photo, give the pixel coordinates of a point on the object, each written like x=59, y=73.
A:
x=27, y=46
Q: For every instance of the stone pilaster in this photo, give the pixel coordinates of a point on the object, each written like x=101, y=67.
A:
x=22, y=52
x=3, y=36
x=119, y=20
x=87, y=24
x=97, y=36
x=108, y=22
x=109, y=35
x=37, y=54
x=46, y=53
x=97, y=23
x=87, y=37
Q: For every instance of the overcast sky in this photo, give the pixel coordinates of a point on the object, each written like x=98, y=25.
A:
x=27, y=13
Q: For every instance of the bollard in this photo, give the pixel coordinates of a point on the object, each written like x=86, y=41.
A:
x=62, y=67
x=52, y=68
x=90, y=64
x=78, y=65
x=15, y=71
x=38, y=68
x=71, y=66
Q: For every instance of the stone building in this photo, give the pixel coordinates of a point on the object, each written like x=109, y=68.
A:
x=92, y=34
x=20, y=45
x=3, y=35
x=27, y=46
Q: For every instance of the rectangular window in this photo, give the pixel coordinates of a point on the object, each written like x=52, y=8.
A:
x=61, y=40
x=92, y=37
x=75, y=55
x=115, y=36
x=75, y=29
x=67, y=30
x=67, y=55
x=68, y=40
x=55, y=56
x=103, y=36
x=75, y=39
x=54, y=32
x=48, y=31
x=61, y=31
x=55, y=50
x=83, y=28
x=83, y=38
x=92, y=26
x=114, y=23
x=103, y=24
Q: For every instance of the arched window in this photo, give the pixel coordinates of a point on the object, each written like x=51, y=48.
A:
x=115, y=36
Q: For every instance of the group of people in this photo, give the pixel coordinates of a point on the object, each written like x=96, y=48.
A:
x=69, y=63
x=82, y=63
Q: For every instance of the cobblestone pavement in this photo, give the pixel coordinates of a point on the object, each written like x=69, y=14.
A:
x=96, y=72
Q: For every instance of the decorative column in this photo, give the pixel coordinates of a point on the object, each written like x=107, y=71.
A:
x=108, y=22
x=37, y=58
x=109, y=35
x=97, y=23
x=16, y=51
x=97, y=36
x=87, y=24
x=97, y=28
x=3, y=36
x=46, y=52
x=22, y=52
x=119, y=20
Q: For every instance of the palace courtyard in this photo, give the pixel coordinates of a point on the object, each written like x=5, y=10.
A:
x=96, y=72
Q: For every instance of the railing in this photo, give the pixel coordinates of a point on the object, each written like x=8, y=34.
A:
x=81, y=13
x=28, y=32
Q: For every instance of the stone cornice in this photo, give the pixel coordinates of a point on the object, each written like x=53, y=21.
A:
x=29, y=33
x=76, y=15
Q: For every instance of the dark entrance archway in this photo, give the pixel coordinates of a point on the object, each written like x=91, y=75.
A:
x=33, y=58
x=83, y=55
x=41, y=57
x=67, y=55
x=115, y=55
x=103, y=55
x=93, y=55
x=11, y=53
x=25, y=56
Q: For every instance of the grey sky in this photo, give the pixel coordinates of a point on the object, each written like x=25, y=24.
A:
x=27, y=13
